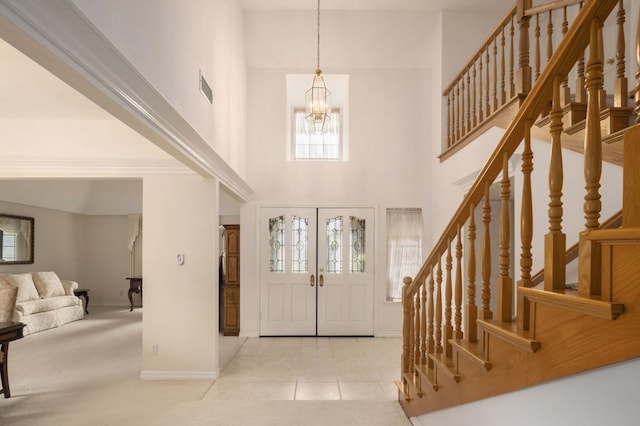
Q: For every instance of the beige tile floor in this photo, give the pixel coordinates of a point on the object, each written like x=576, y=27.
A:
x=311, y=369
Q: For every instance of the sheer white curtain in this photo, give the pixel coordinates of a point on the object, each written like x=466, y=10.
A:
x=404, y=248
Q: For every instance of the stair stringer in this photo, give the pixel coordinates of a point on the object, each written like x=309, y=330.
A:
x=571, y=342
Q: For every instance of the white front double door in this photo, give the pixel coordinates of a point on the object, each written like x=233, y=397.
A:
x=316, y=272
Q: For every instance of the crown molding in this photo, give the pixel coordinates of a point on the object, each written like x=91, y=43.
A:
x=59, y=37
x=39, y=167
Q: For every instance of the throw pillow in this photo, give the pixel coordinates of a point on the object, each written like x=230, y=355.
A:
x=48, y=284
x=26, y=287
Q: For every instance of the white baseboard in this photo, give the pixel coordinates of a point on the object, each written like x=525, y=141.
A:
x=179, y=375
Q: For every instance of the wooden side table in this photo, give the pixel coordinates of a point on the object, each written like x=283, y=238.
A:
x=135, y=286
x=84, y=292
x=9, y=331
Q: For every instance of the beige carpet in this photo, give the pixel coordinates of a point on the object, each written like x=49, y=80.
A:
x=87, y=373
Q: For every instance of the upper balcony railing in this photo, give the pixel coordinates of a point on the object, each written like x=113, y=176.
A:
x=503, y=69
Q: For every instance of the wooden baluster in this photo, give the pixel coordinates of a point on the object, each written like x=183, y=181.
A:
x=620, y=90
x=504, y=296
x=454, y=136
x=448, y=328
x=602, y=93
x=431, y=320
x=526, y=228
x=458, y=120
x=485, y=312
x=549, y=37
x=593, y=138
x=438, y=301
x=523, y=80
x=457, y=334
x=423, y=326
x=463, y=108
x=565, y=93
x=495, y=73
x=537, y=51
x=555, y=241
x=417, y=355
x=581, y=91
x=412, y=336
x=637, y=94
x=503, y=76
x=474, y=102
x=512, y=84
x=406, y=327
x=488, y=82
x=471, y=330
x=449, y=138
x=481, y=93
x=469, y=105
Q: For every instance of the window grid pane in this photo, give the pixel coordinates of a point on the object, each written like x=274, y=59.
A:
x=276, y=244
x=334, y=245
x=356, y=244
x=309, y=146
x=299, y=244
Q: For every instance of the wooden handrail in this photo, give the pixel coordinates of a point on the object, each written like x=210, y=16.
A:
x=614, y=221
x=570, y=48
x=550, y=6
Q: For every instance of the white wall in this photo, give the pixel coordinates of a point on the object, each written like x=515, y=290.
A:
x=390, y=121
x=91, y=250
x=180, y=40
x=607, y=396
x=180, y=217
x=58, y=241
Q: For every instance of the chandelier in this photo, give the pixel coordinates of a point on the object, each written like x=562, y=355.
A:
x=318, y=98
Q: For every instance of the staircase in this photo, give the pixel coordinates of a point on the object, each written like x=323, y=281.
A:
x=456, y=349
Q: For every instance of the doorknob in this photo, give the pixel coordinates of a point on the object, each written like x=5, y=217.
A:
x=312, y=280
x=321, y=279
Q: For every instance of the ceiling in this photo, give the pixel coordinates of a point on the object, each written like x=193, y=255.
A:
x=29, y=92
x=377, y=4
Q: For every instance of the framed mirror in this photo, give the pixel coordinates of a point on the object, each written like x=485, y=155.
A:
x=16, y=235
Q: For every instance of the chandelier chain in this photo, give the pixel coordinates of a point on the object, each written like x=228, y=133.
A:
x=318, y=66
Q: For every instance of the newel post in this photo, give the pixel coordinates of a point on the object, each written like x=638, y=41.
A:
x=523, y=75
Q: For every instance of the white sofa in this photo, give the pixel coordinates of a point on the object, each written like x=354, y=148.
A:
x=40, y=300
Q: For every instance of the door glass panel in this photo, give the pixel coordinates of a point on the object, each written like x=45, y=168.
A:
x=276, y=244
x=356, y=245
x=299, y=243
x=334, y=245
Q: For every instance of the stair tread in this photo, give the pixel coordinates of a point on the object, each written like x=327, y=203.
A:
x=446, y=364
x=510, y=332
x=573, y=301
x=472, y=351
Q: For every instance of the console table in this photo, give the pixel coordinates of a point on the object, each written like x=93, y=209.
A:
x=135, y=286
x=84, y=292
x=9, y=331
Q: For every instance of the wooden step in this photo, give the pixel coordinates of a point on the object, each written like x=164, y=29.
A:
x=445, y=365
x=509, y=332
x=413, y=381
x=403, y=389
x=572, y=301
x=427, y=374
x=472, y=351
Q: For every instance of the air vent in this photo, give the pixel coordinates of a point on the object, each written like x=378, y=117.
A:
x=205, y=89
